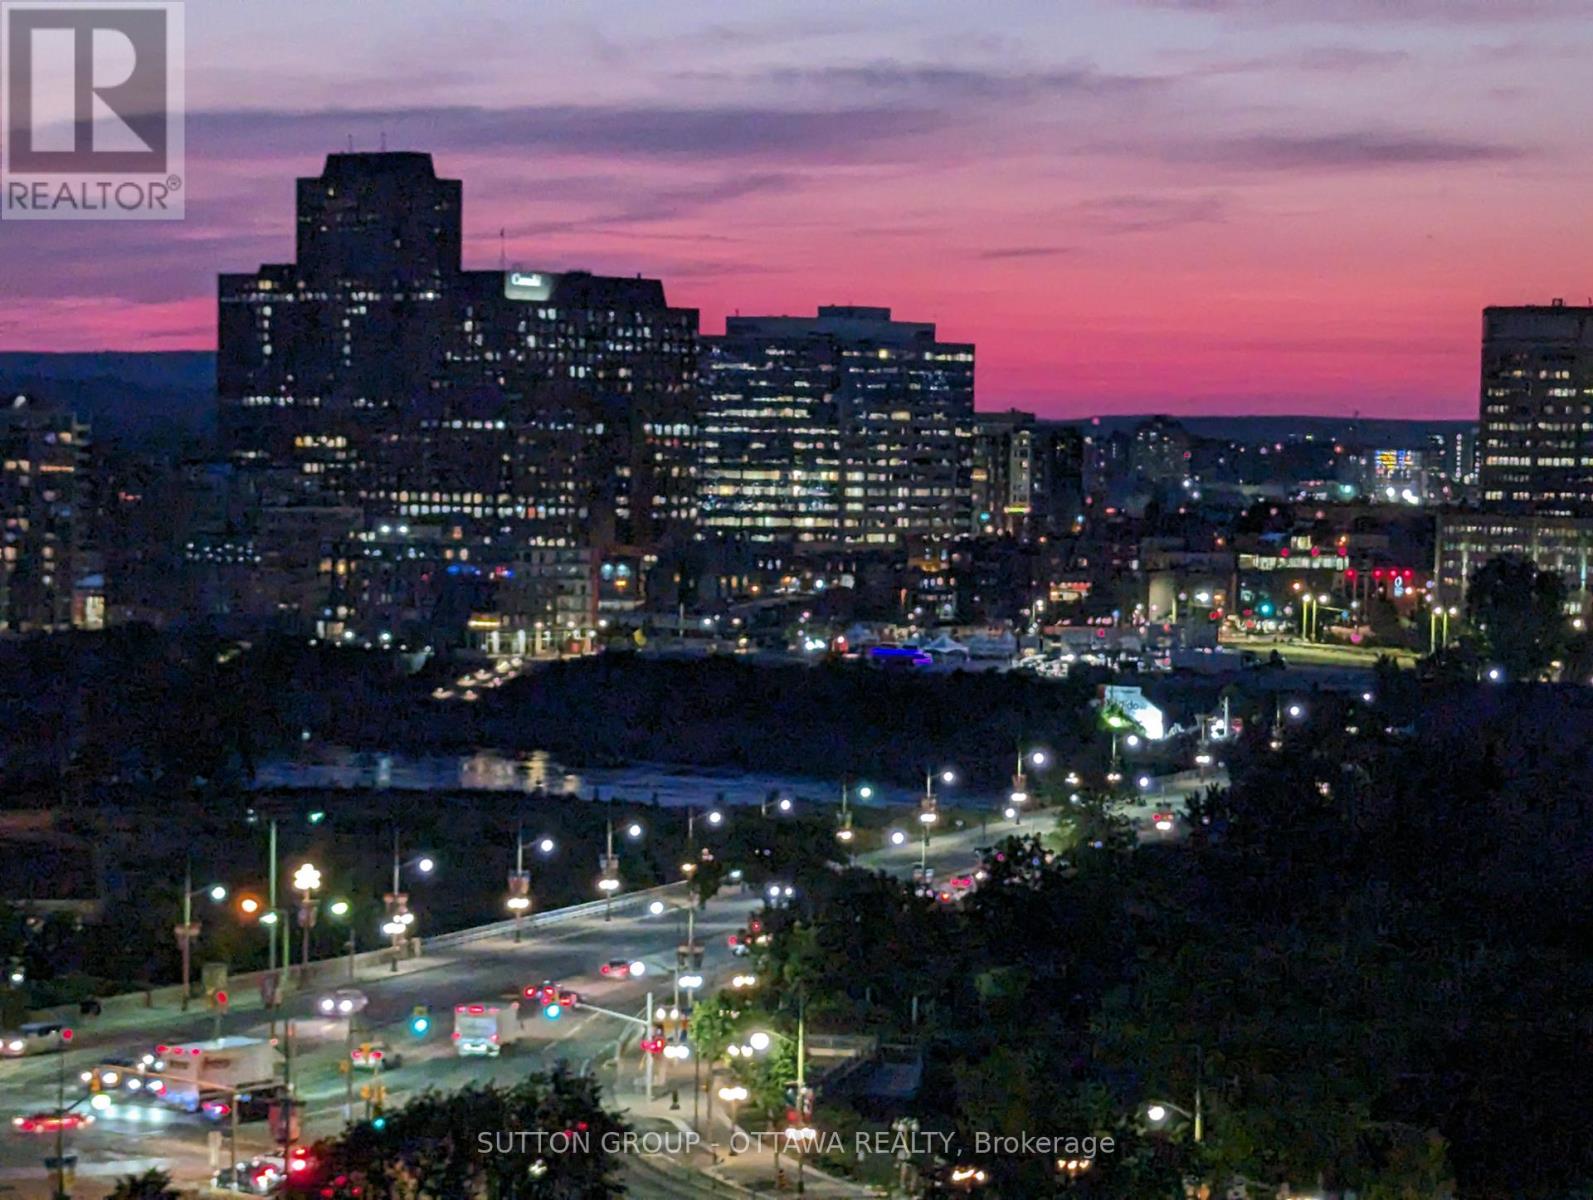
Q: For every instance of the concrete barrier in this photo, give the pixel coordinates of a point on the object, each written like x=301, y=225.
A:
x=333, y=971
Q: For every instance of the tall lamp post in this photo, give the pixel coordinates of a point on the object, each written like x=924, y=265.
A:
x=189, y=929
x=843, y=831
x=799, y=1133
x=306, y=881
x=399, y=918
x=1020, y=779
x=608, y=862
x=519, y=901
x=929, y=813
x=1157, y=1111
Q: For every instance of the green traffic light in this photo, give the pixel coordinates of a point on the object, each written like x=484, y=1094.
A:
x=419, y=1026
x=379, y=1124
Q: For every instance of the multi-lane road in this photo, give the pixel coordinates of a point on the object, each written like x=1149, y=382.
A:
x=131, y=1136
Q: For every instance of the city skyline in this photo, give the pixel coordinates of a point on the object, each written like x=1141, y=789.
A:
x=1201, y=209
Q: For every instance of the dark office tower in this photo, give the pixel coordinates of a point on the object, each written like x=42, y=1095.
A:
x=513, y=409
x=319, y=358
x=845, y=427
x=1536, y=433
x=43, y=481
x=383, y=217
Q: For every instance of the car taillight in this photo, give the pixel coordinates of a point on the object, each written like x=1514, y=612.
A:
x=377, y=1055
x=456, y=1035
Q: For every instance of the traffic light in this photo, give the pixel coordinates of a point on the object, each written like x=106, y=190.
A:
x=553, y=1011
x=218, y=1000
x=420, y=1021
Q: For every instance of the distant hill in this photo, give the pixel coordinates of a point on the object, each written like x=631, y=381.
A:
x=1360, y=431
x=144, y=397
x=126, y=396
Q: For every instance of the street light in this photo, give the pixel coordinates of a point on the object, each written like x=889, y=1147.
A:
x=733, y=1096
x=1159, y=1112
x=306, y=881
x=399, y=919
x=341, y=909
x=928, y=810
x=844, y=832
x=189, y=929
x=1020, y=778
x=760, y=1040
x=519, y=899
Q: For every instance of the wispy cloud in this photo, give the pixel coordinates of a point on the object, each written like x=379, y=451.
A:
x=645, y=202
x=640, y=131
x=1009, y=252
x=1355, y=12
x=940, y=82
x=1350, y=151
x=1142, y=213
x=1327, y=59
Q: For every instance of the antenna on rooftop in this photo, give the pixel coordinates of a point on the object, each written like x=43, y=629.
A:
x=503, y=250
x=383, y=141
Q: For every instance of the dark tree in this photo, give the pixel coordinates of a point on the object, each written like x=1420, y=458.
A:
x=1520, y=612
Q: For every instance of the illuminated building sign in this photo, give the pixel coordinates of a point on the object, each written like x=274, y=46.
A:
x=1287, y=562
x=528, y=285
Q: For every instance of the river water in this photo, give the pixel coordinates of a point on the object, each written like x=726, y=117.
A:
x=490, y=771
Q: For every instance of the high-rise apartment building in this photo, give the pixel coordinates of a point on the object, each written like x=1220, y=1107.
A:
x=847, y=427
x=43, y=481
x=1536, y=431
x=517, y=412
x=1027, y=476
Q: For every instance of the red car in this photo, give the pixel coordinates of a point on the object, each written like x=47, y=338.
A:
x=49, y=1121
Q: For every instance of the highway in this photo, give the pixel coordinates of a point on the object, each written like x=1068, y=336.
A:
x=134, y=1136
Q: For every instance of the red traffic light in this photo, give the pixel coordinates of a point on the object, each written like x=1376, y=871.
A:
x=221, y=999
x=66, y=1035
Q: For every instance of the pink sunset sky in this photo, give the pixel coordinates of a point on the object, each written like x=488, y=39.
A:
x=1191, y=206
